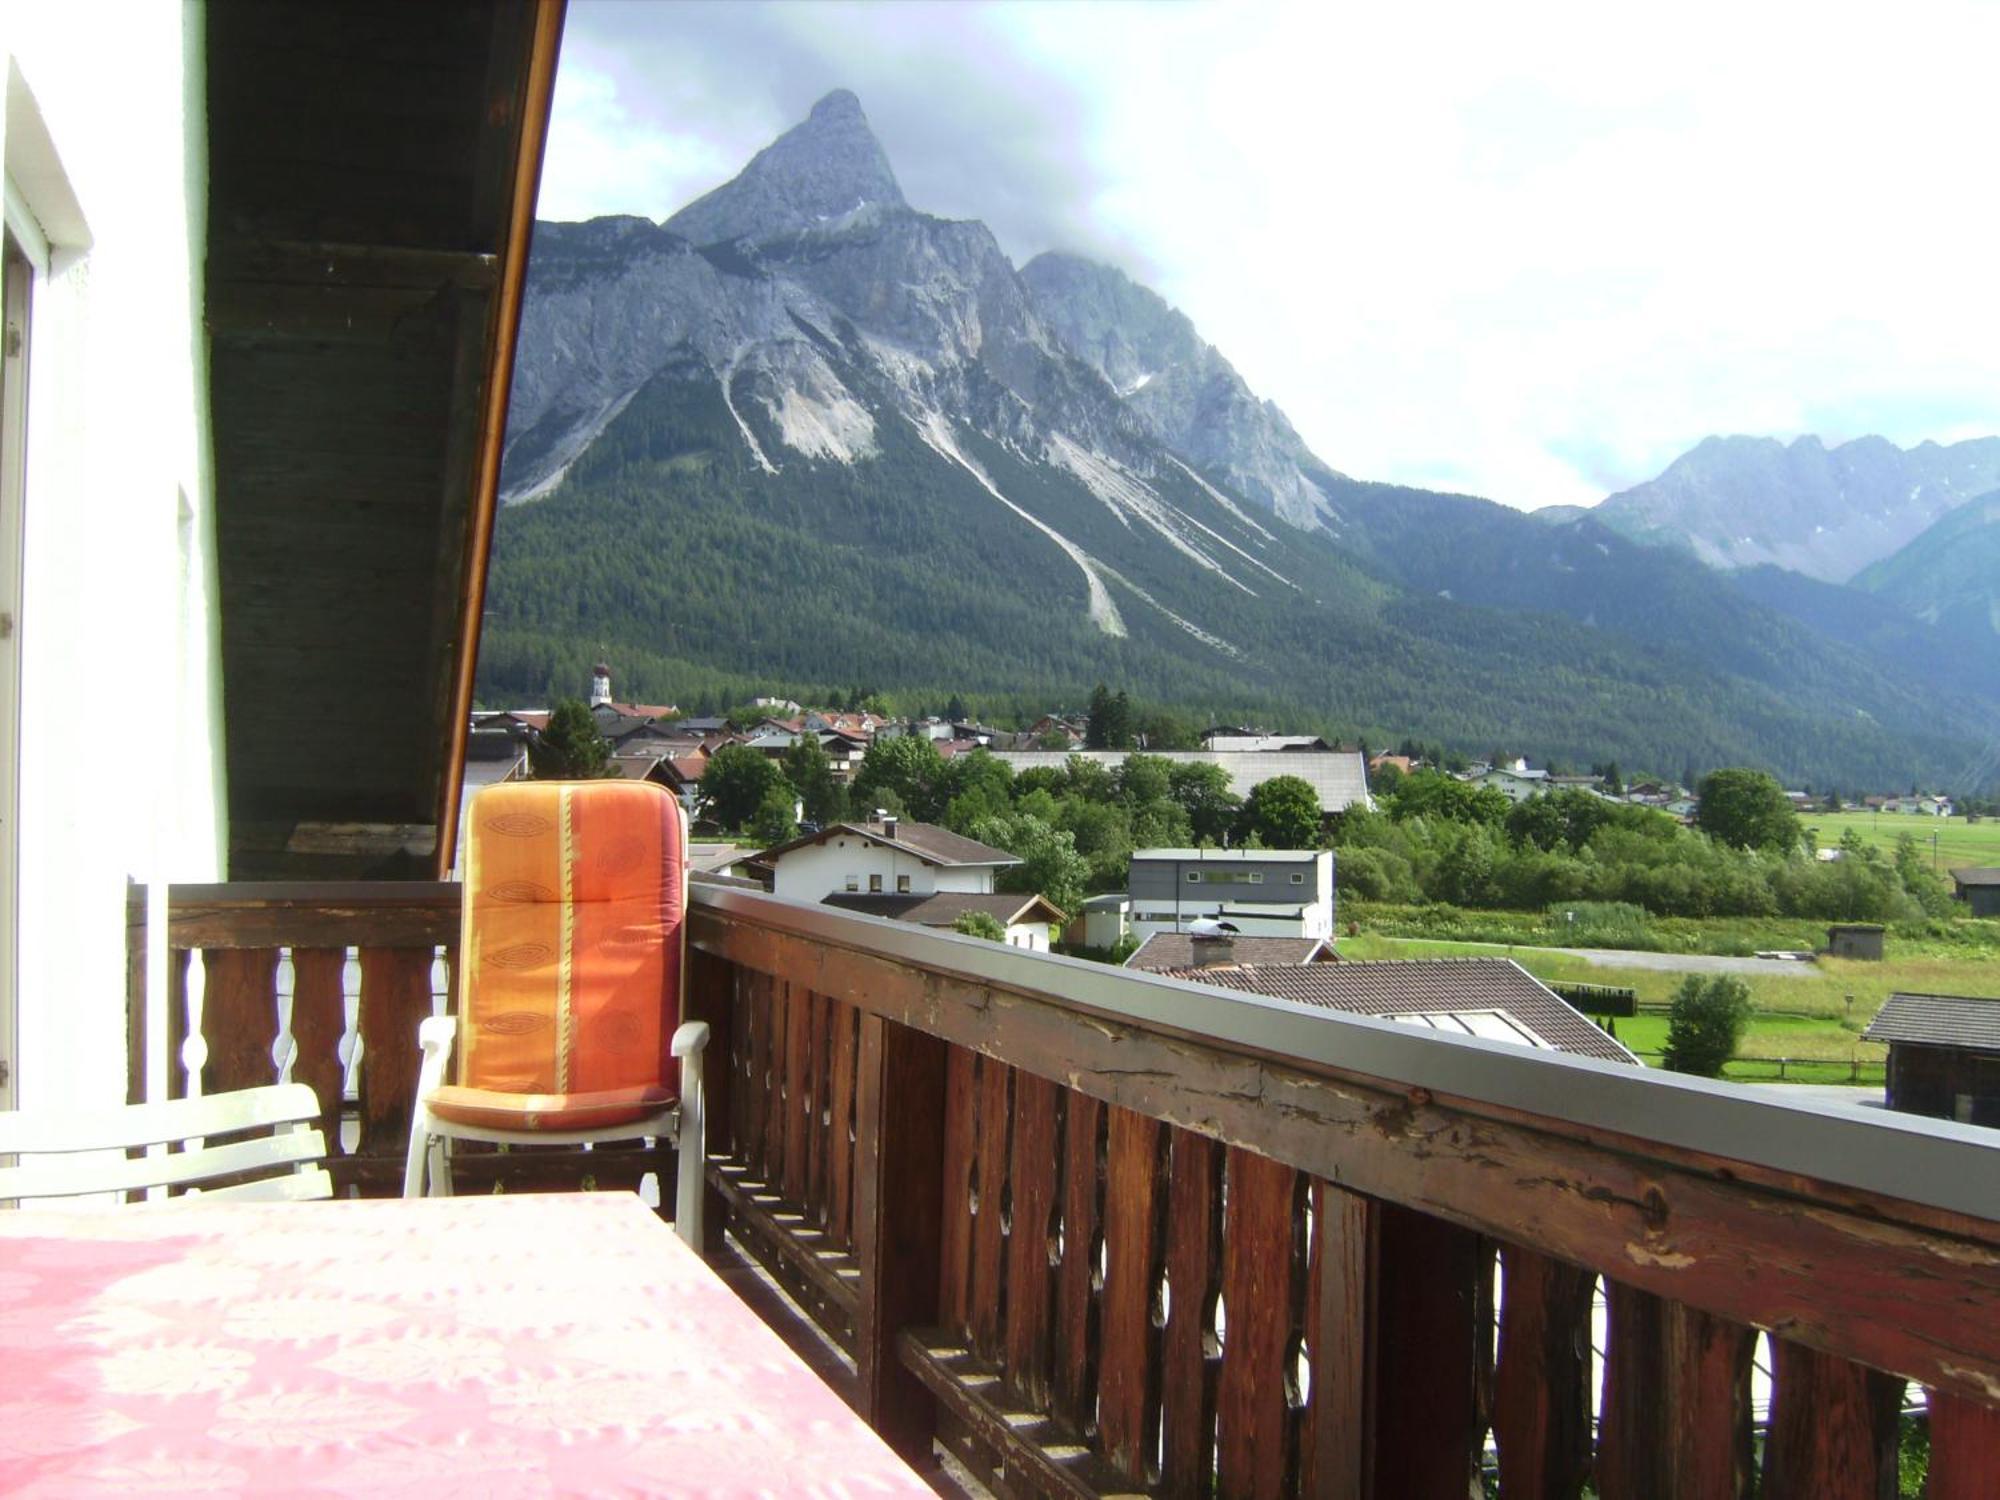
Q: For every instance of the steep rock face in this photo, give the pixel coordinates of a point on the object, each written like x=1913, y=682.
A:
x=1826, y=512
x=826, y=170
x=1179, y=386
x=804, y=432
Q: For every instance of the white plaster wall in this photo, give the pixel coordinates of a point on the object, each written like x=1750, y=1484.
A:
x=1031, y=935
x=118, y=621
x=818, y=870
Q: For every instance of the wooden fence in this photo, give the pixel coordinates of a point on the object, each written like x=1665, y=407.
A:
x=1106, y=1233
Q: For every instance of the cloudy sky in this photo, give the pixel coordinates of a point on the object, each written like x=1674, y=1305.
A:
x=1532, y=253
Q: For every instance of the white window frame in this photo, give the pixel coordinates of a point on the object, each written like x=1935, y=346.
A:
x=1298, y=877
x=1255, y=877
x=1194, y=877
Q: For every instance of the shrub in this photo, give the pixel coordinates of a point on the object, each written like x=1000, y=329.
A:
x=1706, y=1024
x=980, y=924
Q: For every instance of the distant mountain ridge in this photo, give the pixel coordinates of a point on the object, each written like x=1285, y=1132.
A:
x=848, y=442
x=1738, y=502
x=1949, y=576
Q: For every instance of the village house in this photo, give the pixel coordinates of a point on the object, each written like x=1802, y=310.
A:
x=1262, y=892
x=913, y=872
x=880, y=856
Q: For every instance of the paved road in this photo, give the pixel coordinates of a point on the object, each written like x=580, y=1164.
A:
x=1671, y=963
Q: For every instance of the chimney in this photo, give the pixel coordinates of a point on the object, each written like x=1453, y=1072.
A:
x=600, y=684
x=1213, y=950
x=889, y=822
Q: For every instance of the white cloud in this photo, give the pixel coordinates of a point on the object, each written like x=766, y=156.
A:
x=1530, y=253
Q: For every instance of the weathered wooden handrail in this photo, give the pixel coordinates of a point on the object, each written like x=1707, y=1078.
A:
x=1337, y=1185
x=1105, y=1232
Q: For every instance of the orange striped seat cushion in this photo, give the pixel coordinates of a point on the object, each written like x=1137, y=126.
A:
x=487, y=1109
x=570, y=956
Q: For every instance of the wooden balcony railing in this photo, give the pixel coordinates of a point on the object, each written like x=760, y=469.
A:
x=1101, y=1232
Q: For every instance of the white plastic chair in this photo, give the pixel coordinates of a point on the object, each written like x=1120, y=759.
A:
x=573, y=972
x=429, y=1164
x=288, y=1152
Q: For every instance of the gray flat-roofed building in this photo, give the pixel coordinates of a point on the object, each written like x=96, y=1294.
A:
x=1262, y=892
x=1339, y=777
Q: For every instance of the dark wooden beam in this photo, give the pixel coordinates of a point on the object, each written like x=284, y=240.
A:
x=535, y=102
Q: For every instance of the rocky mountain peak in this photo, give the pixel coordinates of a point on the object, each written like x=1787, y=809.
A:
x=822, y=171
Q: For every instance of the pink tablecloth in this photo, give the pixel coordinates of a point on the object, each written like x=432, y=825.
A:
x=485, y=1347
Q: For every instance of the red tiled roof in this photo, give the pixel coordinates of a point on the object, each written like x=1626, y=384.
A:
x=1164, y=952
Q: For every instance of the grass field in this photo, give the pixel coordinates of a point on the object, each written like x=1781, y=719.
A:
x=1958, y=842
x=1816, y=1016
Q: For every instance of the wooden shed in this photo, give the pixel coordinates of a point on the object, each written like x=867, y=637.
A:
x=1979, y=888
x=1855, y=940
x=1944, y=1055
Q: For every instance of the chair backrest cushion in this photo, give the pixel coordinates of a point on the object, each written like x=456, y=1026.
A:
x=571, y=958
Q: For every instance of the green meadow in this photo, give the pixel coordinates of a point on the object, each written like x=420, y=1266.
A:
x=1957, y=842
x=1814, y=1016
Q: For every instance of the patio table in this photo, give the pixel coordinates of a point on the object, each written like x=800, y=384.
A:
x=488, y=1347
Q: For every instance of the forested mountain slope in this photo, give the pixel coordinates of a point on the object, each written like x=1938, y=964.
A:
x=848, y=443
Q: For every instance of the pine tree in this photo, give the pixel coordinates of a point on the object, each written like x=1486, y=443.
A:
x=569, y=748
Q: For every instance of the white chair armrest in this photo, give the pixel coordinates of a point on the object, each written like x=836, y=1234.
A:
x=435, y=1036
x=690, y=1038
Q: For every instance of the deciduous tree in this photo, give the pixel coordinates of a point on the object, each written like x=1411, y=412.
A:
x=1748, y=809
x=736, y=782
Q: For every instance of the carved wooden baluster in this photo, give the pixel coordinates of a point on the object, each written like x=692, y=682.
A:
x=798, y=1100
x=899, y=1214
x=1128, y=1371
x=1032, y=1176
x=179, y=961
x=840, y=1220
x=987, y=1308
x=1073, y=1393
x=814, y=1106
x=319, y=1019
x=1255, y=1452
x=1676, y=1417
x=239, y=1018
x=1965, y=1449
x=961, y=1122
x=1426, y=1354
x=1541, y=1404
x=762, y=991
x=395, y=1000
x=1190, y=1368
x=1833, y=1428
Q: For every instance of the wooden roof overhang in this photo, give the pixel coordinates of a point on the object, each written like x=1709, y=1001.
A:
x=372, y=177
